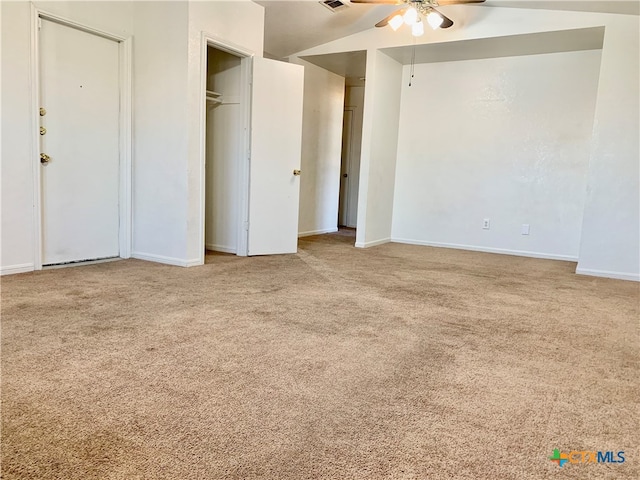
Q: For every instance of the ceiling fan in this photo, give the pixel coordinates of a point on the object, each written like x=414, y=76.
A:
x=414, y=11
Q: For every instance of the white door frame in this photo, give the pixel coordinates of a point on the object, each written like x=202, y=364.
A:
x=246, y=59
x=125, y=57
x=346, y=203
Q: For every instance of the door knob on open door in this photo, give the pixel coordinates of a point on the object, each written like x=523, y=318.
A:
x=44, y=158
x=297, y=173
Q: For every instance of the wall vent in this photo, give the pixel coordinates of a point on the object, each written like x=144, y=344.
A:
x=334, y=5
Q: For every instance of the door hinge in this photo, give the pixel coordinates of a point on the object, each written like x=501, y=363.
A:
x=245, y=225
x=39, y=23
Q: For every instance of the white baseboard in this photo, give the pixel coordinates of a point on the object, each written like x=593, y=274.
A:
x=317, y=232
x=373, y=243
x=21, y=268
x=220, y=248
x=502, y=251
x=179, y=262
x=635, y=277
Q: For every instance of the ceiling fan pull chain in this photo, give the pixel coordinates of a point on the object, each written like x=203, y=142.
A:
x=413, y=60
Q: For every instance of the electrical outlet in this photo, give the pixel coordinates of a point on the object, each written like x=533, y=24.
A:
x=486, y=224
x=525, y=229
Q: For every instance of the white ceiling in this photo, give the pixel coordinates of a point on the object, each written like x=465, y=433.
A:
x=509, y=46
x=353, y=64
x=295, y=25
x=345, y=64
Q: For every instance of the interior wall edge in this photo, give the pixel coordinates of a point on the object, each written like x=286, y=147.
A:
x=178, y=262
x=478, y=248
x=372, y=243
x=317, y=232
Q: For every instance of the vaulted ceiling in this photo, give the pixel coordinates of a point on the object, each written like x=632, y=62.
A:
x=295, y=25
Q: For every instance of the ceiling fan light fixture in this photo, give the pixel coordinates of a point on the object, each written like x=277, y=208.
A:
x=411, y=16
x=417, y=29
x=434, y=19
x=396, y=22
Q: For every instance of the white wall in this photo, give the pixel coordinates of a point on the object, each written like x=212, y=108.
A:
x=18, y=153
x=160, y=131
x=321, y=150
x=504, y=138
x=224, y=137
x=609, y=237
x=610, y=244
x=239, y=23
x=159, y=168
x=169, y=198
x=379, y=147
x=168, y=164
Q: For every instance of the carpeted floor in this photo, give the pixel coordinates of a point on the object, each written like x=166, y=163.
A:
x=396, y=362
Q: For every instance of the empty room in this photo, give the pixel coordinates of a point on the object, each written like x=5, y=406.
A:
x=343, y=239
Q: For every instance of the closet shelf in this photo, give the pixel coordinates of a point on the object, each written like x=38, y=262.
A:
x=214, y=98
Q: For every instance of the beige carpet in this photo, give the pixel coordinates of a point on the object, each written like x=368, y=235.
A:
x=396, y=362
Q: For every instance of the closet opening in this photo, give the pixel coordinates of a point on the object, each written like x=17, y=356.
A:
x=226, y=160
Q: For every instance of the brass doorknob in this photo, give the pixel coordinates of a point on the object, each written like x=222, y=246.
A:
x=297, y=172
x=44, y=158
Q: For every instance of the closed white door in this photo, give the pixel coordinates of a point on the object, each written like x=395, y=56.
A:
x=79, y=81
x=276, y=142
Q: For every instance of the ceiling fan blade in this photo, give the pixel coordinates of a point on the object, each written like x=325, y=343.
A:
x=456, y=2
x=388, y=2
x=385, y=20
x=439, y=2
x=446, y=21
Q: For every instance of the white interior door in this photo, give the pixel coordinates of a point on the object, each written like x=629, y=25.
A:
x=345, y=169
x=79, y=82
x=276, y=142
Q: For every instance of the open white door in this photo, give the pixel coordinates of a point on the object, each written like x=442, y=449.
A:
x=276, y=142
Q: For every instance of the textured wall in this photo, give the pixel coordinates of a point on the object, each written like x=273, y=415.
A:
x=506, y=139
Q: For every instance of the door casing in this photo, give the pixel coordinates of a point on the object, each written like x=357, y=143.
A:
x=246, y=58
x=345, y=208
x=125, y=193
